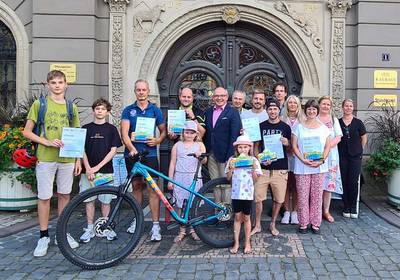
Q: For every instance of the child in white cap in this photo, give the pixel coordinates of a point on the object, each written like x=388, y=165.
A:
x=243, y=169
x=183, y=168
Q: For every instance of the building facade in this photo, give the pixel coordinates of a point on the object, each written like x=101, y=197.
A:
x=318, y=47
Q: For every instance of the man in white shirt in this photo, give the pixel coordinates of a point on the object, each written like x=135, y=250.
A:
x=257, y=110
x=238, y=100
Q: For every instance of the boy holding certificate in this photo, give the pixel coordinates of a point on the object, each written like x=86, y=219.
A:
x=50, y=165
x=276, y=137
x=135, y=116
x=102, y=141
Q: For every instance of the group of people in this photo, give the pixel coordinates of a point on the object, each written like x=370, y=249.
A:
x=301, y=185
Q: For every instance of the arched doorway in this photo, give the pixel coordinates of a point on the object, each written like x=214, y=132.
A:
x=7, y=67
x=239, y=56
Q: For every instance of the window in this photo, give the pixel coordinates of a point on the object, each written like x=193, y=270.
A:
x=7, y=66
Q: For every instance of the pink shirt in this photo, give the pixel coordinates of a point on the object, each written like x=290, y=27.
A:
x=216, y=113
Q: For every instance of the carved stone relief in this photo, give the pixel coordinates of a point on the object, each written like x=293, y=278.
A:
x=230, y=14
x=307, y=25
x=146, y=20
x=117, y=5
x=339, y=7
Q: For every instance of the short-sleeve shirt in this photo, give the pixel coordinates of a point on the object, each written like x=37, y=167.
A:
x=100, y=138
x=262, y=116
x=267, y=128
x=55, y=119
x=350, y=145
x=131, y=113
x=242, y=181
x=301, y=132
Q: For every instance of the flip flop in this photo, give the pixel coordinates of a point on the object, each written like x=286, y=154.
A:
x=233, y=251
x=255, y=232
x=274, y=232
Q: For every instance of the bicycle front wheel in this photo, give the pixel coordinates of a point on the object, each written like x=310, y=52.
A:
x=218, y=232
x=104, y=246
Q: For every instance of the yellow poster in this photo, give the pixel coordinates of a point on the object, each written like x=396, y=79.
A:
x=68, y=69
x=385, y=79
x=385, y=100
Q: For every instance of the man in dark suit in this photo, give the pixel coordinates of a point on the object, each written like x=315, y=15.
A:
x=223, y=126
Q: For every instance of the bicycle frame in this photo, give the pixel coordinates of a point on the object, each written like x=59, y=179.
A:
x=144, y=170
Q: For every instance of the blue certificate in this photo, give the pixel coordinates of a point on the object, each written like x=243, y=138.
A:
x=312, y=148
x=144, y=129
x=273, y=144
x=74, y=142
x=251, y=127
x=176, y=121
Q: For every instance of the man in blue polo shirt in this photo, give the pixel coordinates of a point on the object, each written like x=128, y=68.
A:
x=142, y=107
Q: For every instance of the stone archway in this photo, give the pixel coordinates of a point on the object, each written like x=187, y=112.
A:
x=11, y=20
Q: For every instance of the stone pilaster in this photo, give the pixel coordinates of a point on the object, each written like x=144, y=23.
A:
x=337, y=62
x=116, y=68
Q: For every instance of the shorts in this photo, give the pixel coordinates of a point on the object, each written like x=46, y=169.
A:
x=277, y=179
x=243, y=206
x=151, y=162
x=85, y=184
x=45, y=173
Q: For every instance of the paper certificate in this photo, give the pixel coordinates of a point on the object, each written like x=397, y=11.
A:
x=74, y=142
x=176, y=121
x=251, y=127
x=144, y=129
x=273, y=144
x=312, y=148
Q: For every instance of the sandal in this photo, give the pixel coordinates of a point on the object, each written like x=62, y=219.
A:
x=194, y=235
x=315, y=229
x=181, y=235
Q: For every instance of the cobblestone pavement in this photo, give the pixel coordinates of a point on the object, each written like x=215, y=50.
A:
x=367, y=248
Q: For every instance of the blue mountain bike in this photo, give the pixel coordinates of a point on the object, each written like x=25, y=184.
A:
x=110, y=241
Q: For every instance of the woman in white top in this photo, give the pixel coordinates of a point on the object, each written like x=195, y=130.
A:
x=333, y=181
x=292, y=115
x=311, y=144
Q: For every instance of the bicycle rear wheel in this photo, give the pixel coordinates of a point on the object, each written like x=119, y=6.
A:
x=217, y=233
x=107, y=246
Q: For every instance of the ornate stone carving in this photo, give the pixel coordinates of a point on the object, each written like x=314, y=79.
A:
x=230, y=14
x=339, y=7
x=247, y=13
x=308, y=26
x=337, y=70
x=117, y=5
x=116, y=65
x=146, y=20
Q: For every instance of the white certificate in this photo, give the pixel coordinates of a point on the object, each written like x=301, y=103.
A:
x=176, y=121
x=273, y=144
x=251, y=127
x=144, y=129
x=312, y=148
x=74, y=142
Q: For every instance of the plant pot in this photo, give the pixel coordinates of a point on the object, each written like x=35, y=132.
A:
x=394, y=188
x=13, y=194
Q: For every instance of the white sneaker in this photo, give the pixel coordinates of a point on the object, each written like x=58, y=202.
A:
x=354, y=216
x=346, y=214
x=110, y=234
x=71, y=241
x=155, y=233
x=87, y=235
x=132, y=227
x=41, y=247
x=285, y=218
x=294, y=220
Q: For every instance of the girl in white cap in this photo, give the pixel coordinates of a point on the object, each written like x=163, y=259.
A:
x=243, y=169
x=183, y=167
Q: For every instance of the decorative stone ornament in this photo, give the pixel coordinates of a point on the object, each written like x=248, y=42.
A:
x=337, y=65
x=230, y=14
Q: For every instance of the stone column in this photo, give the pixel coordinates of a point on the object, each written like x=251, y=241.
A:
x=116, y=60
x=337, y=69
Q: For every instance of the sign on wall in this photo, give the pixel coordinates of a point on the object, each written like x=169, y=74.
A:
x=68, y=69
x=385, y=100
x=385, y=79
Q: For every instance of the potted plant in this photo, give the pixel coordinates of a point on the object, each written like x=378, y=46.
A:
x=384, y=162
x=17, y=185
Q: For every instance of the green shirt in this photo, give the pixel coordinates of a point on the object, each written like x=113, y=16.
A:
x=54, y=120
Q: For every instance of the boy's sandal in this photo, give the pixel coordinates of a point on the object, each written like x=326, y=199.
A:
x=194, y=235
x=181, y=235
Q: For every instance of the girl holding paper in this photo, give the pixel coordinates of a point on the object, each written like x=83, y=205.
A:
x=333, y=181
x=311, y=145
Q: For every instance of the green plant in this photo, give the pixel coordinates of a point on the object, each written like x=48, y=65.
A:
x=384, y=161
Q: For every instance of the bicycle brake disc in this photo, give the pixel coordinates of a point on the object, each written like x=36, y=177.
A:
x=226, y=212
x=99, y=228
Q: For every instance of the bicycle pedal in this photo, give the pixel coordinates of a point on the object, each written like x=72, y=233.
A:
x=172, y=225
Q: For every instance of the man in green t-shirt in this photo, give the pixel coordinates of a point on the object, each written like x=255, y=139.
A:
x=50, y=166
